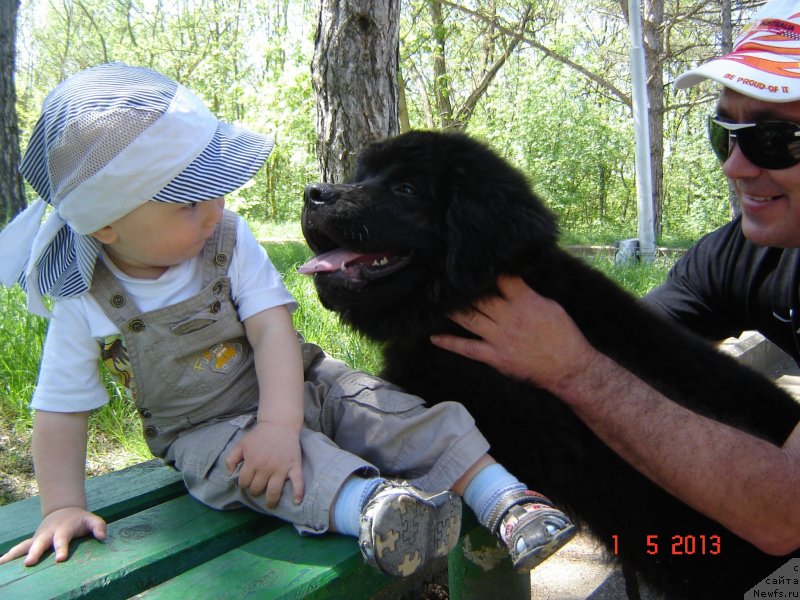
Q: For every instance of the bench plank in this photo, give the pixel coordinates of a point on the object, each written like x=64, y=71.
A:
x=280, y=565
x=164, y=544
x=112, y=496
x=142, y=550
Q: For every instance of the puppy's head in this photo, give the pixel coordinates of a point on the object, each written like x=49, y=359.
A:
x=425, y=226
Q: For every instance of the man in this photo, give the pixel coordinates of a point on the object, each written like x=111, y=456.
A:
x=744, y=275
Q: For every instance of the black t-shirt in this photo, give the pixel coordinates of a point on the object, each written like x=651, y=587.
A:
x=726, y=284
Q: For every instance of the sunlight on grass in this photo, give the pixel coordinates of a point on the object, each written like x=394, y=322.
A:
x=635, y=277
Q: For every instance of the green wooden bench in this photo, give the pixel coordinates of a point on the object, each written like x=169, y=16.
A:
x=164, y=544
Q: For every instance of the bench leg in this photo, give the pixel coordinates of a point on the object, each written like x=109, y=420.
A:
x=478, y=568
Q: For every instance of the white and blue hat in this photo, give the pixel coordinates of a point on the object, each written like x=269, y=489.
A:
x=109, y=139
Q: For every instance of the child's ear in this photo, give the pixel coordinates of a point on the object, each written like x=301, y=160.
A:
x=106, y=235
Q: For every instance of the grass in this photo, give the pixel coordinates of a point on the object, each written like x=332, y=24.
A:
x=635, y=277
x=317, y=324
x=21, y=339
x=115, y=438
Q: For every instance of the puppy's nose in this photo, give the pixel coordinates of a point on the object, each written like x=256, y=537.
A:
x=319, y=193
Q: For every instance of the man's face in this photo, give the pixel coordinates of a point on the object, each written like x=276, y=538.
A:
x=769, y=199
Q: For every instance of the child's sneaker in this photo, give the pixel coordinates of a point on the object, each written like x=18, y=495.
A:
x=403, y=528
x=531, y=528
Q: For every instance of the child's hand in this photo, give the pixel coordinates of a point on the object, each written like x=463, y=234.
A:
x=270, y=454
x=56, y=531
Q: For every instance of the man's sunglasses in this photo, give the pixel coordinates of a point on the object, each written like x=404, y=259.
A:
x=768, y=144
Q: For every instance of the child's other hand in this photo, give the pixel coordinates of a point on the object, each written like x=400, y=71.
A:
x=56, y=531
x=270, y=455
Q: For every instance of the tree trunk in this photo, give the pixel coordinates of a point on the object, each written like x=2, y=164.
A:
x=493, y=59
x=441, y=82
x=402, y=105
x=354, y=75
x=12, y=192
x=654, y=53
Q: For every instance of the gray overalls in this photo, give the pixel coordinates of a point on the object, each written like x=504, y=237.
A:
x=190, y=372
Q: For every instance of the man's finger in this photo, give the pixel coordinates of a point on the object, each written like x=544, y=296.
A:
x=474, y=349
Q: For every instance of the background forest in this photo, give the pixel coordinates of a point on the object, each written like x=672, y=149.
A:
x=546, y=83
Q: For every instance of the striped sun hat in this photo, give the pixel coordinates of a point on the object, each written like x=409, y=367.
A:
x=109, y=139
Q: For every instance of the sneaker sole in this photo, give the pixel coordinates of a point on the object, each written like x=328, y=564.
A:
x=528, y=561
x=409, y=531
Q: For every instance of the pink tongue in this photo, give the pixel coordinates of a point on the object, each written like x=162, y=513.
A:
x=329, y=261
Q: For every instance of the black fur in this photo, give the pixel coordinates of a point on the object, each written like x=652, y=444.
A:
x=458, y=216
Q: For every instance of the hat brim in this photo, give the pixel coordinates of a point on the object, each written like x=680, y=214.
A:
x=734, y=73
x=229, y=161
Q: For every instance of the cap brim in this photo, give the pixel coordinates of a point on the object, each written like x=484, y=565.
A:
x=232, y=158
x=732, y=72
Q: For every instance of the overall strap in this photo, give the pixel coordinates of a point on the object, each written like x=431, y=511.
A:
x=218, y=250
x=111, y=296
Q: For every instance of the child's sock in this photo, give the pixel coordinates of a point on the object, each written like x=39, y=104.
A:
x=487, y=487
x=352, y=497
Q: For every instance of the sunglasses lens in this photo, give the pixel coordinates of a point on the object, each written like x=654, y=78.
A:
x=769, y=145
x=773, y=144
x=720, y=139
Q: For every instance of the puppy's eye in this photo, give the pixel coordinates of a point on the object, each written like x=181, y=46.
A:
x=406, y=189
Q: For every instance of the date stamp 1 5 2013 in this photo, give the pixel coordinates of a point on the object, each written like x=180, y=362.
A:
x=678, y=545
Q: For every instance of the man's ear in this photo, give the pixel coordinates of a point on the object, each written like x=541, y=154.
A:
x=106, y=235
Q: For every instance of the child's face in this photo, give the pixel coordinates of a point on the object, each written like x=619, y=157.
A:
x=159, y=235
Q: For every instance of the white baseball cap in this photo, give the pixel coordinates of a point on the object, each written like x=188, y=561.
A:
x=765, y=61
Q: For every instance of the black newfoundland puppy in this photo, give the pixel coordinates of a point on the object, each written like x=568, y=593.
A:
x=424, y=228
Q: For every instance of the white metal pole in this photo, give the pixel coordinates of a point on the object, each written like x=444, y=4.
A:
x=644, y=185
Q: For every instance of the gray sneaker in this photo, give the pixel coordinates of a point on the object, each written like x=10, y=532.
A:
x=403, y=528
x=531, y=527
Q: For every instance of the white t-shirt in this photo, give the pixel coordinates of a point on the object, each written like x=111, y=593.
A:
x=69, y=375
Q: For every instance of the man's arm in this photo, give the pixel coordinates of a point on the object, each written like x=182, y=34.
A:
x=744, y=483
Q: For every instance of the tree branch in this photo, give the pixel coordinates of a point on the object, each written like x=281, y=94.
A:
x=613, y=90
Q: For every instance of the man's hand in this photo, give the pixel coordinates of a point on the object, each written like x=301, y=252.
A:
x=56, y=531
x=523, y=335
x=270, y=454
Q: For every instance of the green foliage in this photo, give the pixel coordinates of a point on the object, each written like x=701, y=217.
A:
x=695, y=190
x=250, y=61
x=247, y=60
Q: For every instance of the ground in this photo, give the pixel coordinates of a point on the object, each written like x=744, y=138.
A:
x=17, y=480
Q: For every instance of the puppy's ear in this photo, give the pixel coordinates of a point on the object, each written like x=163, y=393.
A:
x=493, y=225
